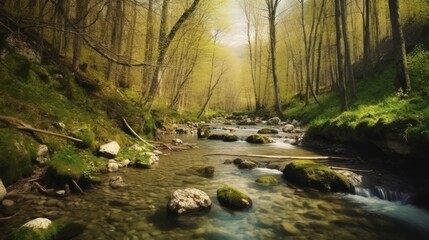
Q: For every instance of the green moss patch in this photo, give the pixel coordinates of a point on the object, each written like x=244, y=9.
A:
x=67, y=164
x=25, y=233
x=267, y=180
x=258, y=139
x=17, y=150
x=233, y=198
x=316, y=175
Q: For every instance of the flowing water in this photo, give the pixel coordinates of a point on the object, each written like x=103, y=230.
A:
x=278, y=212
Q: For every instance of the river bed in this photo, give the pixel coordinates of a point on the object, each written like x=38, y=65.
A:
x=278, y=212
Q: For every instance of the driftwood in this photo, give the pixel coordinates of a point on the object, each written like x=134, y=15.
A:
x=20, y=125
x=286, y=157
x=134, y=133
x=352, y=169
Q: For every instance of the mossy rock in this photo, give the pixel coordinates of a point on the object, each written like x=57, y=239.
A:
x=247, y=164
x=267, y=180
x=232, y=198
x=268, y=131
x=230, y=138
x=315, y=175
x=68, y=164
x=216, y=137
x=28, y=233
x=17, y=151
x=258, y=139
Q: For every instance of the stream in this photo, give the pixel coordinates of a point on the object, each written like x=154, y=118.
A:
x=278, y=212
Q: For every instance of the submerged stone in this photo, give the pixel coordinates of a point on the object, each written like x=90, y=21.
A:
x=316, y=175
x=267, y=180
x=268, y=131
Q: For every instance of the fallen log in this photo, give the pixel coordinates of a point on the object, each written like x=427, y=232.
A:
x=20, y=125
x=286, y=157
x=353, y=169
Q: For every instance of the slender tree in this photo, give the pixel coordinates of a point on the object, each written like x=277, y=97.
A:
x=163, y=45
x=402, y=79
x=272, y=6
x=340, y=57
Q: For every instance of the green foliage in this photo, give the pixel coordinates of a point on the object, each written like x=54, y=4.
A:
x=25, y=233
x=418, y=62
x=68, y=164
x=87, y=136
x=17, y=152
x=315, y=175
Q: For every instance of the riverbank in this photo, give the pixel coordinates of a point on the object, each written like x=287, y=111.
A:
x=394, y=122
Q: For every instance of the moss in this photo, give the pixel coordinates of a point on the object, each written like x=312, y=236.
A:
x=67, y=164
x=268, y=131
x=315, y=175
x=233, y=198
x=88, y=138
x=258, y=139
x=17, y=152
x=138, y=158
x=25, y=233
x=267, y=180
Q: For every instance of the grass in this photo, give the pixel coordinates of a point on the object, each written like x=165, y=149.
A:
x=377, y=112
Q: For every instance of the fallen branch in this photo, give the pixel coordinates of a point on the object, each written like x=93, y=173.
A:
x=134, y=133
x=20, y=125
x=285, y=157
x=8, y=217
x=77, y=186
x=42, y=189
x=352, y=169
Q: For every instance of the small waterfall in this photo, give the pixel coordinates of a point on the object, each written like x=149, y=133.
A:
x=384, y=194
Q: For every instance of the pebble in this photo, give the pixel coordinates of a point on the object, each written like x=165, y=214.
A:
x=7, y=203
x=290, y=229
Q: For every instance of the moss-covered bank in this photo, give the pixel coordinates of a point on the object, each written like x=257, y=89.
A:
x=396, y=123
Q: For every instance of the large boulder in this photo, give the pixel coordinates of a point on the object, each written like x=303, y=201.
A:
x=232, y=198
x=316, y=175
x=288, y=128
x=36, y=229
x=2, y=190
x=258, y=139
x=188, y=200
x=109, y=150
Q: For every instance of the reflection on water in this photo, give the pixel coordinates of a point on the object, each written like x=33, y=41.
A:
x=278, y=212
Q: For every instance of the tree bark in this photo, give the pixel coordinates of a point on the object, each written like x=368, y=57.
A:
x=402, y=79
x=272, y=14
x=340, y=58
x=347, y=52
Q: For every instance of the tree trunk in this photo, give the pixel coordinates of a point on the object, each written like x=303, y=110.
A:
x=402, y=79
x=149, y=45
x=272, y=13
x=367, y=39
x=340, y=58
x=347, y=54
x=164, y=43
